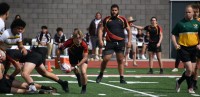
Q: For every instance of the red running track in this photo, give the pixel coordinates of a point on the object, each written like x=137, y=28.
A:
x=167, y=63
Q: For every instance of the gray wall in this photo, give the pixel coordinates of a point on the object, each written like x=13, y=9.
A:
x=78, y=13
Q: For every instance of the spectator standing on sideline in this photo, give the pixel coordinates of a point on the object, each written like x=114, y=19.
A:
x=134, y=32
x=93, y=31
x=154, y=46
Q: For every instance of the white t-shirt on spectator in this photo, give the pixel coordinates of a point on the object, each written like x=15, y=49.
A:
x=97, y=23
x=8, y=37
x=2, y=26
x=44, y=39
x=134, y=32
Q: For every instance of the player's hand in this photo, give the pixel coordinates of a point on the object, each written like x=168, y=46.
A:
x=177, y=47
x=158, y=44
x=129, y=44
x=101, y=43
x=198, y=47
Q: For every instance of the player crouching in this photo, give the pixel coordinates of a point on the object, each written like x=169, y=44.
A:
x=9, y=84
x=78, y=55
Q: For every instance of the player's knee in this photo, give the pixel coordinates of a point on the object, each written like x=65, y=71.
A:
x=83, y=74
x=189, y=72
x=105, y=61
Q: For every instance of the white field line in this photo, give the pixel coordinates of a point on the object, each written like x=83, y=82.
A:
x=118, y=87
x=137, y=76
x=48, y=82
x=135, y=82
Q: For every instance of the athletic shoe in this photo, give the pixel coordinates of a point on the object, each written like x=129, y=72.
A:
x=161, y=71
x=83, y=91
x=155, y=57
x=64, y=86
x=96, y=57
x=150, y=72
x=122, y=81
x=143, y=57
x=49, y=57
x=177, y=86
x=191, y=91
x=98, y=80
x=175, y=70
x=32, y=88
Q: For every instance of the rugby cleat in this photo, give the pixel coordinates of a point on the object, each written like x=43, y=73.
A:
x=64, y=86
x=177, y=86
x=98, y=80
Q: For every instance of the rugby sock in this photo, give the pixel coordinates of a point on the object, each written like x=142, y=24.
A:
x=194, y=82
x=121, y=77
x=189, y=81
x=83, y=91
x=101, y=74
x=60, y=81
x=177, y=62
x=84, y=87
x=77, y=75
x=183, y=77
x=78, y=79
x=151, y=70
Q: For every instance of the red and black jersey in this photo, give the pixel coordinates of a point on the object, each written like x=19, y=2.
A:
x=154, y=33
x=75, y=49
x=114, y=26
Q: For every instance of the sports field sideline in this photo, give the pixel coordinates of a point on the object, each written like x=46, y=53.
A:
x=139, y=84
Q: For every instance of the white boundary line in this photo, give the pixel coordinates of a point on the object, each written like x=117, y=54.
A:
x=152, y=76
x=118, y=87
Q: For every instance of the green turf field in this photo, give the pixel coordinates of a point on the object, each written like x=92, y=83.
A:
x=139, y=84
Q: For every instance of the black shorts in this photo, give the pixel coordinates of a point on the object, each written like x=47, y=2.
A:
x=75, y=59
x=41, y=50
x=187, y=54
x=152, y=47
x=117, y=47
x=34, y=57
x=198, y=54
x=94, y=41
x=5, y=85
x=15, y=55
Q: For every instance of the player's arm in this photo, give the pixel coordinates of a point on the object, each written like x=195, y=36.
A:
x=161, y=37
x=100, y=35
x=129, y=36
x=17, y=68
x=138, y=27
x=22, y=48
x=175, y=34
x=176, y=45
